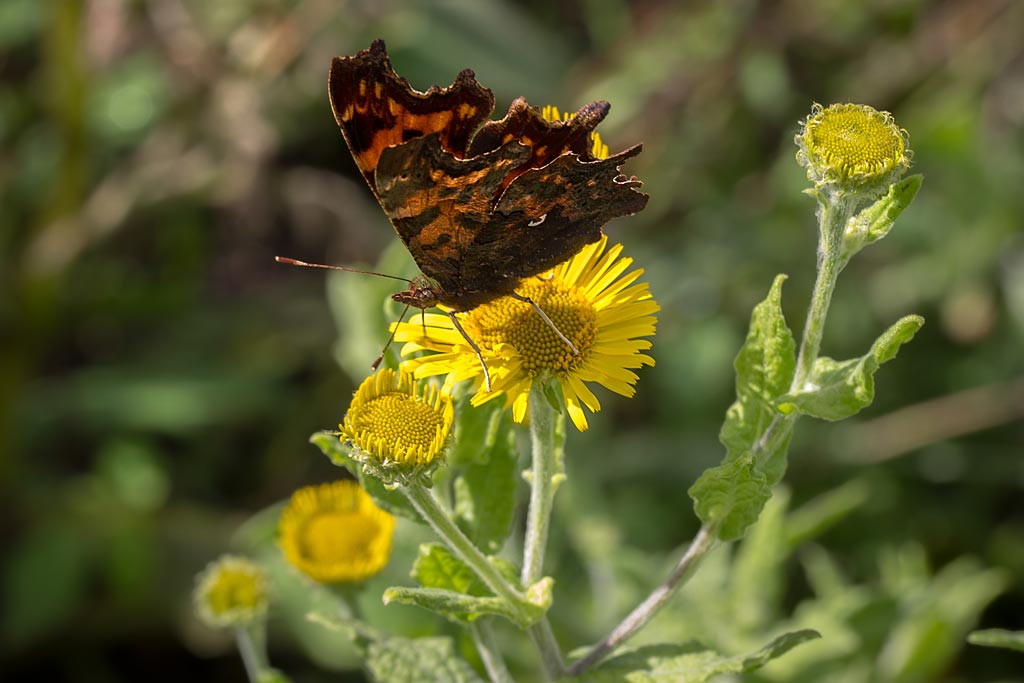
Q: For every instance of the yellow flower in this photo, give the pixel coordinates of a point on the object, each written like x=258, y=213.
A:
x=397, y=430
x=853, y=147
x=231, y=591
x=334, y=533
x=604, y=312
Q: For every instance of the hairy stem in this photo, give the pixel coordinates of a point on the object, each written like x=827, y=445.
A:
x=487, y=645
x=441, y=523
x=542, y=487
x=252, y=657
x=834, y=215
x=645, y=611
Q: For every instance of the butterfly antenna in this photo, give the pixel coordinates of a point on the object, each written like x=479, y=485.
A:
x=296, y=262
x=472, y=345
x=545, y=318
x=376, y=363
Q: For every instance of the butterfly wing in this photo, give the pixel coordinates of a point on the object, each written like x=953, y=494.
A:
x=546, y=216
x=439, y=204
x=376, y=108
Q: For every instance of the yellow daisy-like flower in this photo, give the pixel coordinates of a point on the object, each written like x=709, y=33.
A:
x=397, y=428
x=231, y=591
x=590, y=298
x=853, y=147
x=335, y=533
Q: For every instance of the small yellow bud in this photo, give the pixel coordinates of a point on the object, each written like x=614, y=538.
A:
x=231, y=592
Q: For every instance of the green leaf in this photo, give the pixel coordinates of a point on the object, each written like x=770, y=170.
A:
x=875, y=222
x=475, y=431
x=420, y=660
x=687, y=663
x=455, y=606
x=997, y=637
x=843, y=388
x=764, y=371
x=453, y=590
x=392, y=501
x=437, y=567
x=485, y=493
x=731, y=496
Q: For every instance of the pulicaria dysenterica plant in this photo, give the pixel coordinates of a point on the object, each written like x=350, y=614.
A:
x=434, y=440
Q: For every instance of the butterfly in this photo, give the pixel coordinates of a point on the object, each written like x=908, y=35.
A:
x=479, y=204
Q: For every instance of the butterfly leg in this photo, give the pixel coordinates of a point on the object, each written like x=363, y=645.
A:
x=376, y=363
x=544, y=316
x=472, y=345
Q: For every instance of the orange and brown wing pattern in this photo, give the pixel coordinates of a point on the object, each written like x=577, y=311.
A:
x=376, y=108
x=439, y=204
x=547, y=140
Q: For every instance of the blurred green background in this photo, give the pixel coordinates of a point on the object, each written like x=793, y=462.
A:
x=160, y=374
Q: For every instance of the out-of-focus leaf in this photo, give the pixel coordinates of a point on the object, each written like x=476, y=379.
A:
x=998, y=637
x=689, y=663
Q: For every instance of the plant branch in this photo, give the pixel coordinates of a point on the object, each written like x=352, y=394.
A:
x=428, y=508
x=638, y=618
x=482, y=632
x=542, y=487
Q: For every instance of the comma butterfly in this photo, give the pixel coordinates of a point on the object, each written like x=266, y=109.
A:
x=479, y=204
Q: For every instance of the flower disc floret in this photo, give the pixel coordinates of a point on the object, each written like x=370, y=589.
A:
x=853, y=148
x=231, y=592
x=396, y=427
x=335, y=533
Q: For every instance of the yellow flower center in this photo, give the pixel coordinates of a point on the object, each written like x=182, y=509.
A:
x=397, y=421
x=853, y=141
x=509, y=321
x=338, y=537
x=234, y=589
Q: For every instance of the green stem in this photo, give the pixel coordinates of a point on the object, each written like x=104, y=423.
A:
x=430, y=510
x=252, y=657
x=547, y=647
x=542, y=485
x=835, y=213
x=487, y=645
x=703, y=542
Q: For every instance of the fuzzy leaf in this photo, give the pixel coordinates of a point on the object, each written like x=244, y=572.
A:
x=732, y=494
x=997, y=637
x=419, y=660
x=455, y=606
x=392, y=501
x=839, y=389
x=687, y=663
x=764, y=371
x=485, y=493
x=437, y=567
x=875, y=222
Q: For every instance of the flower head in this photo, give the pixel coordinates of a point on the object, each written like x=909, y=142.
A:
x=602, y=311
x=396, y=428
x=334, y=533
x=231, y=591
x=853, y=148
